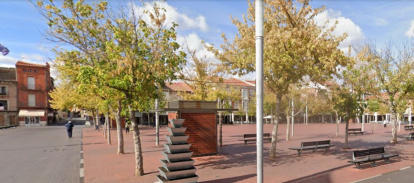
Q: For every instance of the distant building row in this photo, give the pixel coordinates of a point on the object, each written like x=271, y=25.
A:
x=24, y=98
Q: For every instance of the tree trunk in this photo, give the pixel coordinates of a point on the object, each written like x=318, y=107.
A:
x=346, y=132
x=139, y=161
x=220, y=130
x=97, y=119
x=119, y=129
x=107, y=127
x=337, y=124
x=275, y=126
x=394, y=132
x=288, y=128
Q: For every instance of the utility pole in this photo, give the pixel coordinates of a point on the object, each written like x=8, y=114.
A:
x=259, y=87
x=157, y=124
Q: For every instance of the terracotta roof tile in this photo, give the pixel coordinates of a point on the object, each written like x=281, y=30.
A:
x=178, y=87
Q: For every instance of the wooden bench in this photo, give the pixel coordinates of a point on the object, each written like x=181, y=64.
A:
x=355, y=131
x=410, y=136
x=313, y=145
x=252, y=137
x=408, y=127
x=370, y=155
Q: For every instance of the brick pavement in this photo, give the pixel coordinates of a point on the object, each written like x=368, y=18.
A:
x=236, y=161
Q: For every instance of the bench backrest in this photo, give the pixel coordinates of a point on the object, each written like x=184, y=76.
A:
x=354, y=129
x=367, y=152
x=254, y=135
x=411, y=135
x=315, y=143
x=408, y=126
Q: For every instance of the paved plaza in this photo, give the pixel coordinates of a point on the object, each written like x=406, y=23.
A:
x=40, y=154
x=236, y=162
x=45, y=154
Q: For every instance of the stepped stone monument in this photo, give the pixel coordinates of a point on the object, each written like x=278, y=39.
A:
x=177, y=165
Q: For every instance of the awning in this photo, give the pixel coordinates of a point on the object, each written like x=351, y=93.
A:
x=23, y=113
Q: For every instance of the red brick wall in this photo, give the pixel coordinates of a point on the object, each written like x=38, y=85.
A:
x=202, y=132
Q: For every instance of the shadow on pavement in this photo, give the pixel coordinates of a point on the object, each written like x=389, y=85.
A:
x=317, y=177
x=231, y=179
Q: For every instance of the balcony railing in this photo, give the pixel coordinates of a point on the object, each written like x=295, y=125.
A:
x=38, y=104
x=23, y=87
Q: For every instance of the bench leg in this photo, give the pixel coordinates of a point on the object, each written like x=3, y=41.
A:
x=299, y=151
x=245, y=142
x=387, y=160
x=358, y=165
x=373, y=163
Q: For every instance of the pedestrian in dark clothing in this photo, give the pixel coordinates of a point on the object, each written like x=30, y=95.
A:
x=126, y=127
x=69, y=128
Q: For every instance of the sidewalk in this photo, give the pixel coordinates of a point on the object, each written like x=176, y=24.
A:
x=236, y=161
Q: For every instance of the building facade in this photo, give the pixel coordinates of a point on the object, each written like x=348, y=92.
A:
x=33, y=85
x=8, y=97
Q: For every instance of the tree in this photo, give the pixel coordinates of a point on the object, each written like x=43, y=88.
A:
x=348, y=93
x=294, y=47
x=392, y=68
x=119, y=51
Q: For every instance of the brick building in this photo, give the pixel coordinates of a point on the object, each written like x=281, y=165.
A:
x=8, y=97
x=34, y=84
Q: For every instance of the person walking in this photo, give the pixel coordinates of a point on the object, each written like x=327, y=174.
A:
x=69, y=128
x=127, y=127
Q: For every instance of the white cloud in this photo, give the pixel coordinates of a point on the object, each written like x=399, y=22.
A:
x=381, y=22
x=410, y=32
x=9, y=61
x=345, y=25
x=173, y=15
x=194, y=42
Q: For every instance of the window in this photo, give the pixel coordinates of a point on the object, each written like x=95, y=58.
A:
x=3, y=105
x=3, y=90
x=35, y=71
x=236, y=105
x=245, y=94
x=30, y=70
x=32, y=100
x=245, y=105
x=30, y=83
x=24, y=70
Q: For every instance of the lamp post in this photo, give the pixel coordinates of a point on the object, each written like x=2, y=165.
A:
x=259, y=87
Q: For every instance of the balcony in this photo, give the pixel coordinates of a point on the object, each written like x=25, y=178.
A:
x=38, y=105
x=24, y=87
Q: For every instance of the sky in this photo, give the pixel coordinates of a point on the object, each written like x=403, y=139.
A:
x=22, y=27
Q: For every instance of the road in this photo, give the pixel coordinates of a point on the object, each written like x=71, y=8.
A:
x=40, y=154
x=402, y=176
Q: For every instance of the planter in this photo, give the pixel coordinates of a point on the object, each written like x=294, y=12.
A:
x=177, y=148
x=177, y=131
x=177, y=123
x=177, y=157
x=179, y=174
x=177, y=139
x=181, y=165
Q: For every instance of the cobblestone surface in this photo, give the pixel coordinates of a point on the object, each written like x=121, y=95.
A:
x=39, y=155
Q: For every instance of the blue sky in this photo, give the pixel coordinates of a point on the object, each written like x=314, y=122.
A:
x=21, y=26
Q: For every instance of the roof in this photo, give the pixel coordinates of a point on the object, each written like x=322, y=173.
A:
x=7, y=74
x=178, y=87
x=238, y=82
x=21, y=63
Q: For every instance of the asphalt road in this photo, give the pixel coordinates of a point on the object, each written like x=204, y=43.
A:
x=40, y=155
x=401, y=176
